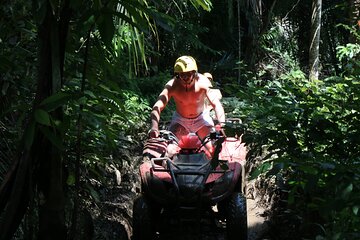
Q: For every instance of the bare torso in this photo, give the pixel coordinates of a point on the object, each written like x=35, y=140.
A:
x=189, y=100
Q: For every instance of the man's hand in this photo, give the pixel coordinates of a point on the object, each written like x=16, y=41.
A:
x=220, y=128
x=153, y=133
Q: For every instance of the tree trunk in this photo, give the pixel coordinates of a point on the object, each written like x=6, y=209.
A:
x=52, y=38
x=315, y=40
x=239, y=40
x=254, y=15
x=52, y=35
x=230, y=16
x=267, y=18
x=354, y=17
x=331, y=41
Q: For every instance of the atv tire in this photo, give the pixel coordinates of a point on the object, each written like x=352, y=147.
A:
x=236, y=217
x=143, y=227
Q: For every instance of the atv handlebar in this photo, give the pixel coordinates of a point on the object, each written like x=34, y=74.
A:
x=167, y=135
x=217, y=132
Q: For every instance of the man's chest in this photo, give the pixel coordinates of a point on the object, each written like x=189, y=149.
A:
x=188, y=95
x=189, y=98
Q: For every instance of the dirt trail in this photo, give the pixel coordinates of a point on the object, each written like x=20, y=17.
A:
x=257, y=225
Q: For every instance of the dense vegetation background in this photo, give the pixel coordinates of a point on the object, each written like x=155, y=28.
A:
x=78, y=79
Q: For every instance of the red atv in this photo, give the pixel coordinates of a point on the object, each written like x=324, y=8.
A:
x=179, y=180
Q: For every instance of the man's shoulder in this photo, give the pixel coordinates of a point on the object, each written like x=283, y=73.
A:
x=170, y=82
x=203, y=81
x=170, y=86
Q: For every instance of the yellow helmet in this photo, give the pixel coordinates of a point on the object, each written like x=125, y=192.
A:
x=185, y=64
x=208, y=75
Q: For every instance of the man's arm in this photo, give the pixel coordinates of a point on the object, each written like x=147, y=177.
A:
x=219, y=110
x=214, y=99
x=159, y=105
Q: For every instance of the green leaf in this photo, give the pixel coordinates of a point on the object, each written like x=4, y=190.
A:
x=54, y=139
x=275, y=169
x=89, y=93
x=262, y=169
x=347, y=191
x=128, y=20
x=136, y=11
x=42, y=117
x=355, y=209
x=71, y=179
x=93, y=193
x=163, y=20
x=319, y=237
x=5, y=87
x=291, y=196
x=337, y=236
x=57, y=100
x=205, y=4
x=89, y=22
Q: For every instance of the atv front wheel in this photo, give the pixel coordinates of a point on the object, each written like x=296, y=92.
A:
x=236, y=217
x=143, y=228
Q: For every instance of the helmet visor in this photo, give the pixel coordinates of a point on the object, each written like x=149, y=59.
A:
x=186, y=77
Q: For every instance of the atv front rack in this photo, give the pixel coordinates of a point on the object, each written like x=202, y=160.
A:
x=165, y=164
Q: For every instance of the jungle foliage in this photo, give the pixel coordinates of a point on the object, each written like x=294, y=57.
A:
x=115, y=58
x=307, y=132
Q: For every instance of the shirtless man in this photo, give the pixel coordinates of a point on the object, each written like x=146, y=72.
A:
x=213, y=93
x=189, y=89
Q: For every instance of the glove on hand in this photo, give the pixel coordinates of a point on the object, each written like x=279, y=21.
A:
x=153, y=133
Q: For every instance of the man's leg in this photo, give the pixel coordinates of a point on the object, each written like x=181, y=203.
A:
x=202, y=133
x=178, y=130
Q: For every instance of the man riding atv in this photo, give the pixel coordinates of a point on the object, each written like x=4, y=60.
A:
x=189, y=89
x=184, y=185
